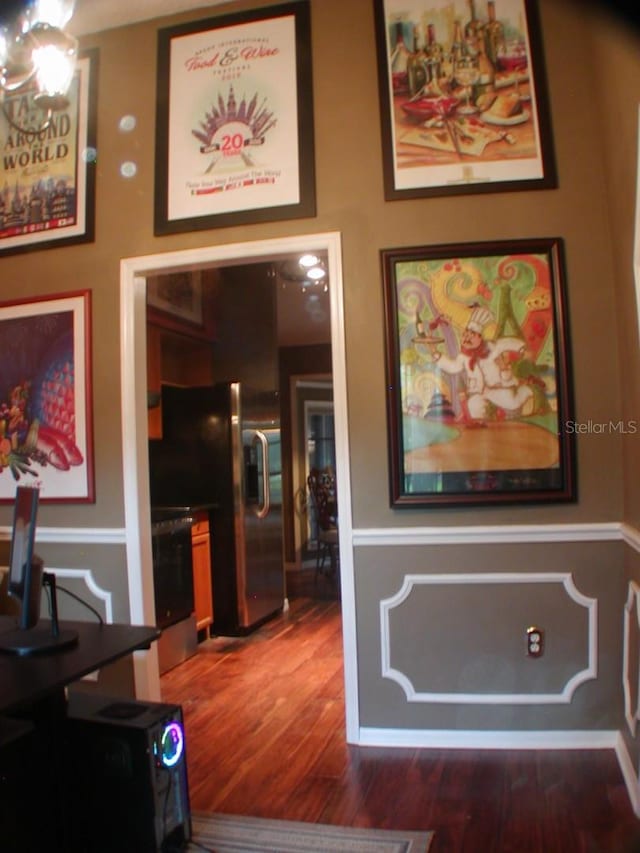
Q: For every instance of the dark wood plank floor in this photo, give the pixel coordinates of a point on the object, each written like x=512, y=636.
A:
x=265, y=736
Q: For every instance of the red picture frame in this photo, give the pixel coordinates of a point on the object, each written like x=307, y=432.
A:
x=46, y=414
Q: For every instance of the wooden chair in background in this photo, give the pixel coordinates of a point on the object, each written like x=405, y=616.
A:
x=322, y=489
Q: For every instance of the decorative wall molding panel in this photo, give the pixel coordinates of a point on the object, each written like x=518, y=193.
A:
x=631, y=657
x=87, y=577
x=553, y=679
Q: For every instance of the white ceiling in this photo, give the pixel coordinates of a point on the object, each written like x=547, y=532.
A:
x=92, y=16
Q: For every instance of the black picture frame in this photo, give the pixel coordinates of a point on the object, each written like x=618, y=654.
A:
x=430, y=146
x=41, y=207
x=490, y=422
x=228, y=156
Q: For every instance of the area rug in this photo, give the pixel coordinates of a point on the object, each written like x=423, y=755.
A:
x=234, y=834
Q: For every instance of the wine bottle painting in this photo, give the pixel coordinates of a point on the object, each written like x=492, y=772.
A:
x=463, y=97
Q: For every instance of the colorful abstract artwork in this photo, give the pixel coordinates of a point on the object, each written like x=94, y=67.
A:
x=478, y=387
x=45, y=416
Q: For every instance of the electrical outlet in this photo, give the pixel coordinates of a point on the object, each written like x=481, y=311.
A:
x=535, y=642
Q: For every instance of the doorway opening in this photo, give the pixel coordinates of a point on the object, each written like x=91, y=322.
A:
x=134, y=275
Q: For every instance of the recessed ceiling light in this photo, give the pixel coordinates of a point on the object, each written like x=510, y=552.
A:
x=309, y=260
x=316, y=273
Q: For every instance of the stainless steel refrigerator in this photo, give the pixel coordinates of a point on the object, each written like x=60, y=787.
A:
x=220, y=449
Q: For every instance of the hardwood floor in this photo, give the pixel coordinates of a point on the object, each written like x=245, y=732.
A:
x=264, y=716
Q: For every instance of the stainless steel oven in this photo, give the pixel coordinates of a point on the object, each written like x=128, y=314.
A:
x=173, y=586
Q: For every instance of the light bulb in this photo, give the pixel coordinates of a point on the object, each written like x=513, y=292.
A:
x=316, y=273
x=54, y=59
x=309, y=261
x=55, y=13
x=4, y=47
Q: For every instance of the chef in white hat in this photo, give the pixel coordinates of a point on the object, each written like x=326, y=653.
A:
x=484, y=364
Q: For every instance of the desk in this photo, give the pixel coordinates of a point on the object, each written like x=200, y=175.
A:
x=34, y=809
x=26, y=681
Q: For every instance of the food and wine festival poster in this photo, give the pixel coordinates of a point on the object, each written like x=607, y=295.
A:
x=233, y=119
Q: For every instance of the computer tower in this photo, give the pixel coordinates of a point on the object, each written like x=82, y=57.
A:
x=18, y=792
x=126, y=774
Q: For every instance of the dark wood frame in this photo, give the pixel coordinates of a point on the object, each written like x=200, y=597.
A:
x=428, y=303
x=43, y=448
x=85, y=165
x=466, y=182
x=306, y=205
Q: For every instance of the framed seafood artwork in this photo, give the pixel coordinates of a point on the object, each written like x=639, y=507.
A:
x=46, y=428
x=479, y=401
x=463, y=97
x=235, y=135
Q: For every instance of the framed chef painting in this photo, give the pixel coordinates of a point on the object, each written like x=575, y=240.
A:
x=234, y=140
x=478, y=388
x=463, y=97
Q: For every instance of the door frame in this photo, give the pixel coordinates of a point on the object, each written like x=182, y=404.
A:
x=318, y=405
x=298, y=384
x=133, y=376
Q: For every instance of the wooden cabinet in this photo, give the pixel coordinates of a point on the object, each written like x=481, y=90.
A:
x=202, y=582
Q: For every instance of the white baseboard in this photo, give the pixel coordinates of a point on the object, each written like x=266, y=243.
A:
x=478, y=739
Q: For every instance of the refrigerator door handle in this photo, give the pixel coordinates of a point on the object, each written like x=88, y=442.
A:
x=263, y=511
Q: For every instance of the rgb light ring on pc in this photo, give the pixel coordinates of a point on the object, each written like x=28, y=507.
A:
x=172, y=744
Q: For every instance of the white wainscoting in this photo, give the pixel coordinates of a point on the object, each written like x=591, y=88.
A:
x=564, y=579
x=476, y=739
x=480, y=534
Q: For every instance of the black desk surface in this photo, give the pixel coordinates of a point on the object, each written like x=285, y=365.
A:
x=25, y=680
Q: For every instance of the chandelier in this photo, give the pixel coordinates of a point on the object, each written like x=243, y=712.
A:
x=37, y=58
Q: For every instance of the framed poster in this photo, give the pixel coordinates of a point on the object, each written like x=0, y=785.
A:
x=478, y=396
x=45, y=398
x=47, y=177
x=178, y=294
x=463, y=98
x=234, y=141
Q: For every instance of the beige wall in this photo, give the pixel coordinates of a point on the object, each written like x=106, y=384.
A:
x=350, y=200
x=593, y=104
x=619, y=129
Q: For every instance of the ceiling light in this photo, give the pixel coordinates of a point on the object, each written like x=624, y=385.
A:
x=316, y=273
x=307, y=261
x=37, y=58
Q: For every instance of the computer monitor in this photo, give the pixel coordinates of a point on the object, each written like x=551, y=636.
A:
x=26, y=579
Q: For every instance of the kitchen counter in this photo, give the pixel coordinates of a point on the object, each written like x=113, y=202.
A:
x=161, y=512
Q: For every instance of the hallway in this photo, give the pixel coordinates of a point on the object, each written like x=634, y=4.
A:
x=265, y=737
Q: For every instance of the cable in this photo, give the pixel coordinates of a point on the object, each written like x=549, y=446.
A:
x=82, y=601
